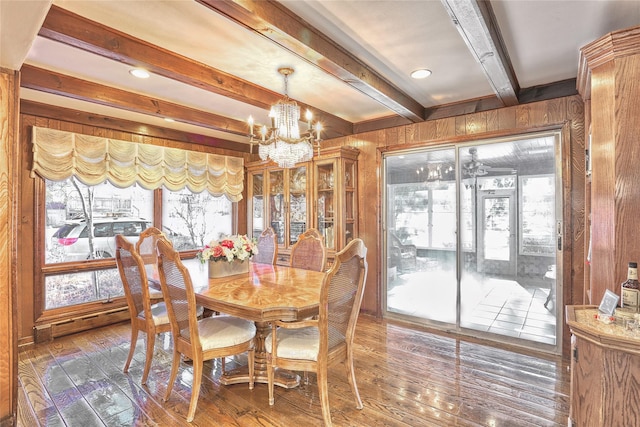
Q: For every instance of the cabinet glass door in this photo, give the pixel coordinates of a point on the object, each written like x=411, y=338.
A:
x=257, y=204
x=297, y=203
x=349, y=203
x=276, y=204
x=326, y=203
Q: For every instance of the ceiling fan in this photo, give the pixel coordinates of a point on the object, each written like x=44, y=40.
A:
x=475, y=167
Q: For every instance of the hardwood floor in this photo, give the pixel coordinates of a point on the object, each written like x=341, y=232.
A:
x=406, y=377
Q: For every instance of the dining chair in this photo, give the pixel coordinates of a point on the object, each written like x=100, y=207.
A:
x=146, y=317
x=315, y=344
x=267, y=247
x=147, y=248
x=309, y=251
x=198, y=339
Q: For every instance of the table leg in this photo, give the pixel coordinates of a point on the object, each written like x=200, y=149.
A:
x=284, y=379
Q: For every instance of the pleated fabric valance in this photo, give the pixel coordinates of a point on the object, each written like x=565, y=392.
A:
x=57, y=155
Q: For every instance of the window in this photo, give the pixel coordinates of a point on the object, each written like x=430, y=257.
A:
x=537, y=215
x=72, y=206
x=425, y=216
x=192, y=220
x=107, y=194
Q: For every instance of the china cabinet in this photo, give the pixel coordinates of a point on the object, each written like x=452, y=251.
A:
x=319, y=194
x=277, y=198
x=335, y=196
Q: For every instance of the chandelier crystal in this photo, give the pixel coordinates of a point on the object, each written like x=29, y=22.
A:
x=282, y=142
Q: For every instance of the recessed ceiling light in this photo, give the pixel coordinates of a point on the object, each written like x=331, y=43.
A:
x=422, y=73
x=139, y=73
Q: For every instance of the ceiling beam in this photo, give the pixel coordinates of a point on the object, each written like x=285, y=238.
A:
x=278, y=24
x=72, y=87
x=73, y=30
x=90, y=119
x=477, y=25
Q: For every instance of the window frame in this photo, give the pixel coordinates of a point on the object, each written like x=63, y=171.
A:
x=42, y=269
x=521, y=249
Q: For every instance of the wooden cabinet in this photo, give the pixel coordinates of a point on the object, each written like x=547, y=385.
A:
x=335, y=196
x=608, y=76
x=321, y=194
x=605, y=371
x=278, y=198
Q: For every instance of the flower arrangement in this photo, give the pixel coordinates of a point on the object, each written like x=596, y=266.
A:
x=229, y=249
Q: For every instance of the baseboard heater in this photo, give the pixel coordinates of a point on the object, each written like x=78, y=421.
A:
x=46, y=332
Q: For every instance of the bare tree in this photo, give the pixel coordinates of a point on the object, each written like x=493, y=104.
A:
x=87, y=209
x=192, y=210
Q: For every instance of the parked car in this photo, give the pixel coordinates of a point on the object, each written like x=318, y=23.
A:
x=72, y=239
x=180, y=241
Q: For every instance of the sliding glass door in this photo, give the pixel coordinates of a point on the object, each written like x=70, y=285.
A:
x=470, y=238
x=421, y=235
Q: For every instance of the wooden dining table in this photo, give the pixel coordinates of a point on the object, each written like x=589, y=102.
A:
x=264, y=294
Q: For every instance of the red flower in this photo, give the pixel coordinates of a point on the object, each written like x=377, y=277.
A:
x=227, y=243
x=218, y=251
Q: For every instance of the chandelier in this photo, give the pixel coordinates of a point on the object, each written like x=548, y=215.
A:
x=282, y=142
x=433, y=177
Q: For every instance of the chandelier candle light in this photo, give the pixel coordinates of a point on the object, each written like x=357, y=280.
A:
x=282, y=142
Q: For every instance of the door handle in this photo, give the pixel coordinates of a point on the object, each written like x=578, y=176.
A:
x=559, y=234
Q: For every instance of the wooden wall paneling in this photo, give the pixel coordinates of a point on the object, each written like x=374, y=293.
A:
x=368, y=224
x=476, y=123
x=493, y=120
x=567, y=224
x=429, y=130
x=461, y=126
x=506, y=119
x=9, y=134
x=26, y=236
x=578, y=232
x=445, y=128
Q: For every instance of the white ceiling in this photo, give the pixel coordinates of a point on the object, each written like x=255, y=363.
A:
x=542, y=40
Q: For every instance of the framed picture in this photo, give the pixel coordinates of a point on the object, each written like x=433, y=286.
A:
x=609, y=303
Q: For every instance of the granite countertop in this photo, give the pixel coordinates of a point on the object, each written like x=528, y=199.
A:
x=583, y=321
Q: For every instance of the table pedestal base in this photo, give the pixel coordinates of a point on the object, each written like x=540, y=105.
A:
x=285, y=379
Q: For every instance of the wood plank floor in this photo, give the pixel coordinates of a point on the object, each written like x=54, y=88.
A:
x=406, y=377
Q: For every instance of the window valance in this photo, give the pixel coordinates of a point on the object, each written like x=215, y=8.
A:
x=57, y=155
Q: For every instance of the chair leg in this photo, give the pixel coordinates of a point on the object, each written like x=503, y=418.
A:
x=132, y=347
x=175, y=363
x=270, y=375
x=151, y=341
x=351, y=376
x=251, y=362
x=195, y=388
x=323, y=391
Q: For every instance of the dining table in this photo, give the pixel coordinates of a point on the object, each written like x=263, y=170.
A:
x=264, y=294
